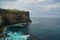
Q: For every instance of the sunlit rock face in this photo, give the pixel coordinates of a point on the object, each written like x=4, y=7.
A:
x=13, y=16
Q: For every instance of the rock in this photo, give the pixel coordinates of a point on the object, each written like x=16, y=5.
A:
x=4, y=35
x=13, y=16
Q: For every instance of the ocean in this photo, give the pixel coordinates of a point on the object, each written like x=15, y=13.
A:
x=39, y=29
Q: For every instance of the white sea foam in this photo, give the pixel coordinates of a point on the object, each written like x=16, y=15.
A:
x=35, y=22
x=16, y=36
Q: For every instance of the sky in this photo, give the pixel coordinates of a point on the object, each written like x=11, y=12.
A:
x=37, y=8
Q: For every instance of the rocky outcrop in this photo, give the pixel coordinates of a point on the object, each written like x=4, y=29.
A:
x=13, y=16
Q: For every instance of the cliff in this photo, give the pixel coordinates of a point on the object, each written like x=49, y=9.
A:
x=13, y=16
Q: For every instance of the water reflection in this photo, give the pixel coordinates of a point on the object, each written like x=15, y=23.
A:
x=17, y=32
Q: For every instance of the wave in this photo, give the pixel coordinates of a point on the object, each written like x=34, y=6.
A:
x=16, y=36
x=35, y=22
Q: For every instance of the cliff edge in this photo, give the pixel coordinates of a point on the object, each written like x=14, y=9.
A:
x=13, y=16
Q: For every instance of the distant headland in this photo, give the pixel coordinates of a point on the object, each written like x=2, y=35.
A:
x=13, y=16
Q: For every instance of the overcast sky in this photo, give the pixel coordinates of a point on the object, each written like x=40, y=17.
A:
x=37, y=8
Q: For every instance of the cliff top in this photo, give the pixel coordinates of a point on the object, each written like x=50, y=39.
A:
x=11, y=10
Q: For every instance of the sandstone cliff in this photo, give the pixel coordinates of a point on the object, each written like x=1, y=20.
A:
x=13, y=16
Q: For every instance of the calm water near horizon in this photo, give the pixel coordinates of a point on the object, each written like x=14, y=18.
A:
x=40, y=29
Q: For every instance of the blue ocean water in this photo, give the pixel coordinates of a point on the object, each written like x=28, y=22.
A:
x=46, y=28
x=40, y=29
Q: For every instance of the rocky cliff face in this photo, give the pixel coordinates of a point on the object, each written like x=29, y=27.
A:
x=13, y=16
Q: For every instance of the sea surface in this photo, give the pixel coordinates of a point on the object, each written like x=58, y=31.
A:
x=39, y=29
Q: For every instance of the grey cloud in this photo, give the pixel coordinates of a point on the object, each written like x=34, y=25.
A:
x=7, y=0
x=37, y=9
